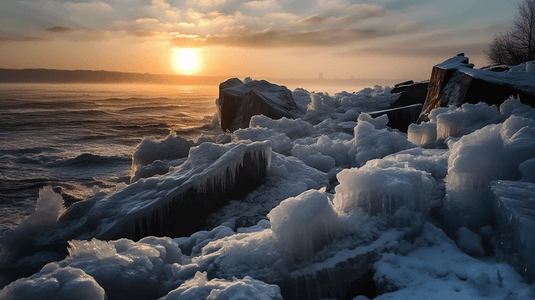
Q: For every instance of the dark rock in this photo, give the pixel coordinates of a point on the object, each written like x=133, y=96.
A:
x=239, y=101
x=400, y=117
x=455, y=82
x=410, y=92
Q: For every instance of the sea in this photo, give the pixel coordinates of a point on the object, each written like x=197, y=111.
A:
x=80, y=138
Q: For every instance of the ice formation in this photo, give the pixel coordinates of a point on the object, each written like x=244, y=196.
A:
x=343, y=207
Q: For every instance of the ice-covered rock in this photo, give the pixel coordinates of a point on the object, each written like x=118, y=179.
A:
x=410, y=92
x=239, y=101
x=514, y=208
x=455, y=82
x=177, y=203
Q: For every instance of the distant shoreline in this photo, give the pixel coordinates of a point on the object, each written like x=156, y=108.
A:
x=88, y=76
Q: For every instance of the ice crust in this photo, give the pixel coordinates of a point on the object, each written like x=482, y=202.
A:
x=346, y=201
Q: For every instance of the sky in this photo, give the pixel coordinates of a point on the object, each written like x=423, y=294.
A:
x=384, y=39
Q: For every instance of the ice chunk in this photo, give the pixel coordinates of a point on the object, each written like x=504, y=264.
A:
x=55, y=283
x=514, y=207
x=124, y=269
x=49, y=207
x=200, y=288
x=469, y=242
x=150, y=149
x=304, y=224
x=384, y=190
x=373, y=140
x=423, y=135
x=279, y=141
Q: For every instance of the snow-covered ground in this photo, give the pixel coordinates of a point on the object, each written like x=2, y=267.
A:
x=350, y=209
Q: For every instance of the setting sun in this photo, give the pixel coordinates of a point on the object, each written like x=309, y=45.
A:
x=186, y=61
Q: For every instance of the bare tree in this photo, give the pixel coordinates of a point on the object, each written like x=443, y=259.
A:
x=518, y=45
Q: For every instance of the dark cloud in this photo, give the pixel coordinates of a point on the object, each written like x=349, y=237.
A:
x=21, y=39
x=421, y=51
x=245, y=38
x=60, y=29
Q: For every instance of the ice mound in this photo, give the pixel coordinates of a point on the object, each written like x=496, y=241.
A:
x=373, y=140
x=150, y=149
x=514, y=207
x=384, y=190
x=304, y=224
x=200, y=288
x=54, y=283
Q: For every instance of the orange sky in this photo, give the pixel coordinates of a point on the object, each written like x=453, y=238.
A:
x=389, y=39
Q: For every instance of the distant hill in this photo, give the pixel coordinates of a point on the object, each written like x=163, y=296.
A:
x=86, y=76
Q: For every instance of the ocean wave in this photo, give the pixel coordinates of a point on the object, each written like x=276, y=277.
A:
x=87, y=159
x=31, y=150
x=82, y=160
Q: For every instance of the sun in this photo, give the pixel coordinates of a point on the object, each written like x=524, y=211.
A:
x=186, y=61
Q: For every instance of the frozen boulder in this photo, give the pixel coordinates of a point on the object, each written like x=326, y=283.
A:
x=514, y=208
x=410, y=92
x=455, y=82
x=239, y=101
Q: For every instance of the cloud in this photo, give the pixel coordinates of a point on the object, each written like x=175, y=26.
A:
x=59, y=29
x=239, y=36
x=96, y=6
